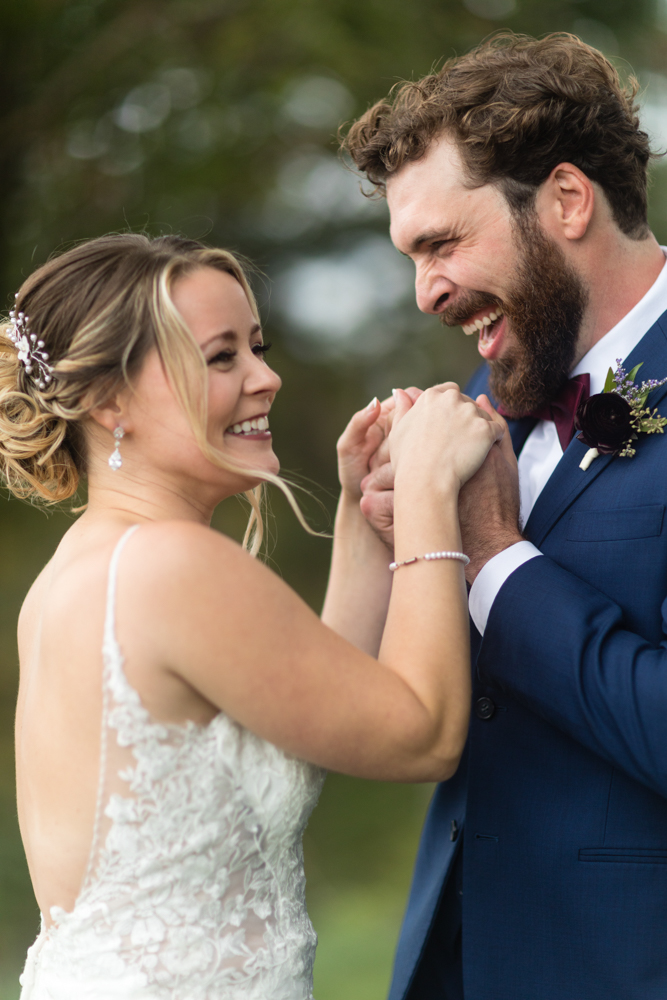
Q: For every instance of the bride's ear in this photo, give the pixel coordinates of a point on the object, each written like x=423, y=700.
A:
x=111, y=413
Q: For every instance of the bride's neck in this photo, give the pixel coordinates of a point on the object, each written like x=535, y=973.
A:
x=140, y=500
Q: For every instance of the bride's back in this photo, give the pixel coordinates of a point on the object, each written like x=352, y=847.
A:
x=58, y=719
x=60, y=705
x=175, y=856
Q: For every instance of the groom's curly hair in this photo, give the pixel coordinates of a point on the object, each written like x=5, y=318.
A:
x=517, y=107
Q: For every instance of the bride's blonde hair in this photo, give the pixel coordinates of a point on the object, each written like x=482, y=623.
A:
x=99, y=308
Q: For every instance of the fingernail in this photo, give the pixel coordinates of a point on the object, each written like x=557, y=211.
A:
x=373, y=403
x=394, y=393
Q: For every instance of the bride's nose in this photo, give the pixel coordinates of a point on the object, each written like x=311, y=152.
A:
x=261, y=378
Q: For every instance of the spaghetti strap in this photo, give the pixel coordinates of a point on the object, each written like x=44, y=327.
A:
x=112, y=664
x=110, y=618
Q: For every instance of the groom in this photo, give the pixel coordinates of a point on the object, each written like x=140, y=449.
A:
x=516, y=182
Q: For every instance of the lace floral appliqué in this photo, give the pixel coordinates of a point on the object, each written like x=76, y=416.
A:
x=195, y=888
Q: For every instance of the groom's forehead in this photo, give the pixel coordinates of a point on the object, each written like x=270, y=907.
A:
x=433, y=195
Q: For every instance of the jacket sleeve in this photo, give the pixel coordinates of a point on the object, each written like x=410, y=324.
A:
x=559, y=646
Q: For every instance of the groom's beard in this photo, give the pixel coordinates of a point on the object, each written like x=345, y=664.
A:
x=544, y=311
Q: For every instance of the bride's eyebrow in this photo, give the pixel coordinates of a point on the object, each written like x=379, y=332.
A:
x=231, y=336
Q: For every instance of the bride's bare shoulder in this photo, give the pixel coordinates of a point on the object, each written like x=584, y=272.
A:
x=172, y=555
x=182, y=542
x=178, y=580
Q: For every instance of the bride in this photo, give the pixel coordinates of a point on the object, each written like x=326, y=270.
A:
x=179, y=704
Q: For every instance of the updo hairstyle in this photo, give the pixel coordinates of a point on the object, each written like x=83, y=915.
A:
x=99, y=308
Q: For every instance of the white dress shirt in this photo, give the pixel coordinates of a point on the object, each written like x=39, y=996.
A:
x=542, y=451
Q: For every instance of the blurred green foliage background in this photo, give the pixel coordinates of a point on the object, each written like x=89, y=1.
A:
x=217, y=118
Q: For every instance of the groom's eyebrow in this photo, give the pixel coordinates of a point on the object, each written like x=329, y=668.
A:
x=428, y=236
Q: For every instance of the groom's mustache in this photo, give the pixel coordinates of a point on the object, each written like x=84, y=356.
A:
x=460, y=311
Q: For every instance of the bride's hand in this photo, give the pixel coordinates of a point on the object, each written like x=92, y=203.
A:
x=441, y=440
x=362, y=447
x=359, y=441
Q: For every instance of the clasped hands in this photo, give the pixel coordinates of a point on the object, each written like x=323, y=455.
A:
x=488, y=502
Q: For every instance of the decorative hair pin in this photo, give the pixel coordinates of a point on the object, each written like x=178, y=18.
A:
x=30, y=350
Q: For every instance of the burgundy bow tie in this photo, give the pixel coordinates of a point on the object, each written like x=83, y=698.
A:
x=563, y=408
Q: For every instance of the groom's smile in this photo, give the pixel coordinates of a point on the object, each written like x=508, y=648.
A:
x=492, y=325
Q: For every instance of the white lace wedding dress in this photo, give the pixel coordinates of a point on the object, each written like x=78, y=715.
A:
x=195, y=884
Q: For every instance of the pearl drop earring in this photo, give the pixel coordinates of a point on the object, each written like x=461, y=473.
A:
x=116, y=459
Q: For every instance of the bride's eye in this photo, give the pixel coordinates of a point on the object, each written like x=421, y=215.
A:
x=222, y=358
x=261, y=349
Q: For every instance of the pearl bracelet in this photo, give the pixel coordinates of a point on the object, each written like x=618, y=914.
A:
x=430, y=555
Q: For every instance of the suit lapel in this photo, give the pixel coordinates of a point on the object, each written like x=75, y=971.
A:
x=519, y=431
x=568, y=481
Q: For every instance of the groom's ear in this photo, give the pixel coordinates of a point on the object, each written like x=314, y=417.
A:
x=566, y=202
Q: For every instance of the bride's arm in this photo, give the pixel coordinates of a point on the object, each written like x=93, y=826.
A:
x=359, y=585
x=231, y=629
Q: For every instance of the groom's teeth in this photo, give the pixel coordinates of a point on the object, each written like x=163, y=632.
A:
x=480, y=324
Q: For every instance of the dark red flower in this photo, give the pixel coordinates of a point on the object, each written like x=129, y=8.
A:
x=604, y=422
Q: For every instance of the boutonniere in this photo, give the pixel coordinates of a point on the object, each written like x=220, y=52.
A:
x=611, y=421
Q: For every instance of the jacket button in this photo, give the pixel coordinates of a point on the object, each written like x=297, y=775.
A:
x=484, y=708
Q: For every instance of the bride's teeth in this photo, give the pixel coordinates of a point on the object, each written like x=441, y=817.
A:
x=256, y=425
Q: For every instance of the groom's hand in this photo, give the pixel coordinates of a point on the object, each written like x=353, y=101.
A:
x=489, y=505
x=377, y=502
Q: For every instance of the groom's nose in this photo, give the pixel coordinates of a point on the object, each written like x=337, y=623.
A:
x=432, y=290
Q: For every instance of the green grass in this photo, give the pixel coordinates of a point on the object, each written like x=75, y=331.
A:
x=357, y=935
x=9, y=985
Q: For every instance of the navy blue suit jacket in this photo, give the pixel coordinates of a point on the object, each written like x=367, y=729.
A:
x=563, y=791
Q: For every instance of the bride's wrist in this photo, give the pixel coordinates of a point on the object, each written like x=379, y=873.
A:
x=428, y=524
x=349, y=515
x=348, y=503
x=416, y=485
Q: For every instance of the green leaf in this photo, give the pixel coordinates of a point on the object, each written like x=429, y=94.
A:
x=633, y=373
x=609, y=383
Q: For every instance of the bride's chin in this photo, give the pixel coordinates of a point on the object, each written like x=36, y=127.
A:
x=256, y=476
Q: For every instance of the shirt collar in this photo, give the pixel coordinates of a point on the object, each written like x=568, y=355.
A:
x=624, y=337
